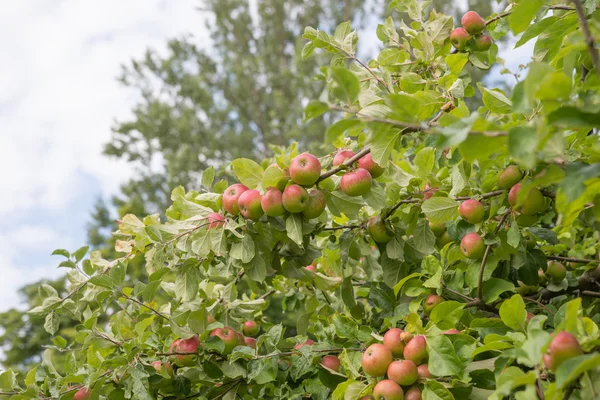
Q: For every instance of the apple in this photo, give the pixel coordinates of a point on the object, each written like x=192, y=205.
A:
x=403, y=372
x=543, y=279
x=509, y=177
x=378, y=230
x=472, y=246
x=376, y=360
x=393, y=341
x=295, y=199
x=356, y=183
x=388, y=390
x=231, y=196
x=443, y=240
x=473, y=23
x=414, y=393
x=305, y=169
x=416, y=350
x=82, y=394
x=250, y=342
x=342, y=156
x=331, y=362
x=556, y=271
x=158, y=365
x=438, y=229
x=250, y=328
x=367, y=162
x=406, y=337
x=563, y=347
x=228, y=336
x=529, y=316
x=429, y=191
x=307, y=343
x=482, y=43
x=534, y=203
x=215, y=220
x=185, y=346
x=311, y=268
x=316, y=204
x=271, y=203
x=430, y=302
x=548, y=361
x=423, y=370
x=472, y=211
x=460, y=39
x=250, y=206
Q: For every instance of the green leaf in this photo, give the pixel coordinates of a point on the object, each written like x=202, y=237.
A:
x=208, y=177
x=336, y=130
x=80, y=253
x=293, y=226
x=523, y=14
x=440, y=209
x=338, y=202
x=543, y=233
x=61, y=252
x=103, y=281
x=495, y=100
x=447, y=314
x=344, y=326
x=248, y=172
x=256, y=269
x=572, y=117
x=272, y=176
x=186, y=283
x=443, y=360
x=571, y=369
x=494, y=287
x=423, y=237
x=513, y=237
x=513, y=313
x=201, y=244
x=51, y=323
x=395, y=249
x=424, y=161
x=434, y=390
x=346, y=86
x=315, y=109
x=243, y=250
x=8, y=380
x=384, y=140
x=522, y=142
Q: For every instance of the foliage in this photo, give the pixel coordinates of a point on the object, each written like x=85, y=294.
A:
x=406, y=109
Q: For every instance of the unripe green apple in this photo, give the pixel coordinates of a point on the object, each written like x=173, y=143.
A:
x=509, y=177
x=416, y=350
x=473, y=23
x=413, y=393
x=430, y=302
x=378, y=230
x=341, y=156
x=482, y=43
x=423, y=370
x=534, y=202
x=231, y=196
x=356, y=183
x=526, y=220
x=215, y=220
x=376, y=360
x=272, y=203
x=438, y=229
x=443, y=240
x=472, y=211
x=472, y=246
x=460, y=39
x=250, y=328
x=228, y=336
x=556, y=271
x=403, y=372
x=307, y=343
x=367, y=162
x=563, y=347
x=331, y=362
x=295, y=198
x=250, y=206
x=393, y=341
x=388, y=390
x=305, y=169
x=82, y=394
x=316, y=204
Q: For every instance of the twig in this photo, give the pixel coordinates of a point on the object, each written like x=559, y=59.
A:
x=264, y=296
x=589, y=293
x=397, y=205
x=483, y=196
x=485, y=256
x=459, y=294
x=188, y=232
x=573, y=260
x=337, y=228
x=144, y=305
x=539, y=303
x=345, y=164
x=589, y=39
x=105, y=337
x=291, y=353
x=507, y=13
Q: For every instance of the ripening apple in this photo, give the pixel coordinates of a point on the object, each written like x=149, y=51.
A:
x=331, y=362
x=429, y=191
x=472, y=211
x=316, y=204
x=158, y=365
x=443, y=240
x=451, y=332
x=414, y=393
x=186, y=346
x=82, y=394
x=228, y=336
x=231, y=196
x=376, y=360
x=367, y=162
x=556, y=271
x=438, y=229
x=378, y=230
x=250, y=328
x=250, y=206
x=393, y=341
x=423, y=370
x=356, y=183
x=295, y=198
x=472, y=246
x=305, y=169
x=250, y=342
x=563, y=347
x=403, y=372
x=430, y=302
x=215, y=220
x=416, y=350
x=341, y=156
x=272, y=204
x=307, y=343
x=482, y=43
x=473, y=23
x=460, y=39
x=534, y=202
x=509, y=177
x=388, y=390
x=311, y=268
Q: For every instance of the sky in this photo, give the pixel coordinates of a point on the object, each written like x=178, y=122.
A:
x=58, y=100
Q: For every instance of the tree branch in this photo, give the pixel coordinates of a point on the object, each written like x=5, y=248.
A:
x=587, y=34
x=397, y=205
x=573, y=260
x=483, y=196
x=485, y=256
x=133, y=299
x=341, y=227
x=507, y=13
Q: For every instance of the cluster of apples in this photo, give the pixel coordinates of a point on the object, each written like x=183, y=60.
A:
x=358, y=181
x=470, y=35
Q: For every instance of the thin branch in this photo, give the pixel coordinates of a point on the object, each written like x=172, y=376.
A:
x=573, y=260
x=370, y=71
x=345, y=164
x=341, y=227
x=144, y=305
x=397, y=205
x=539, y=303
x=485, y=256
x=459, y=294
x=507, y=13
x=589, y=293
x=188, y=232
x=264, y=296
x=293, y=352
x=483, y=196
x=587, y=34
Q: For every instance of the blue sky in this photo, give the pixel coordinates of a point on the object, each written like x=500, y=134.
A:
x=58, y=100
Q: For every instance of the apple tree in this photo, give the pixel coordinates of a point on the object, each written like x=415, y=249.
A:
x=435, y=252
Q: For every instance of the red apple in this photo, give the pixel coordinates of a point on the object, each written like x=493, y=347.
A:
x=534, y=203
x=423, y=370
x=82, y=394
x=430, y=302
x=215, y=220
x=231, y=196
x=272, y=204
x=563, y=347
x=393, y=341
x=331, y=362
x=416, y=350
x=376, y=360
x=472, y=246
x=342, y=156
x=414, y=393
x=356, y=183
x=473, y=23
x=388, y=390
x=311, y=268
x=307, y=343
x=295, y=198
x=378, y=230
x=316, y=204
x=472, y=211
x=249, y=204
x=429, y=191
x=305, y=169
x=403, y=372
x=228, y=336
x=460, y=39
x=250, y=328
x=367, y=162
x=250, y=342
